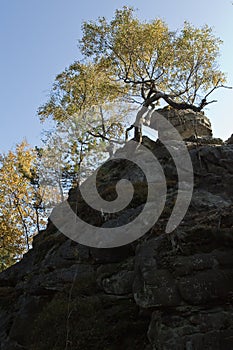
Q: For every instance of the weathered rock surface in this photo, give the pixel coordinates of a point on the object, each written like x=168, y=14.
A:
x=187, y=122
x=164, y=291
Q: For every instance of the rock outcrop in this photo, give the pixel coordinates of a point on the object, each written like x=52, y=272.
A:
x=230, y=140
x=164, y=291
x=187, y=122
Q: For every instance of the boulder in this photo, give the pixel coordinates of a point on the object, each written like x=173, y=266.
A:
x=187, y=122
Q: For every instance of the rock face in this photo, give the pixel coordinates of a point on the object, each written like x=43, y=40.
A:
x=230, y=140
x=187, y=122
x=164, y=291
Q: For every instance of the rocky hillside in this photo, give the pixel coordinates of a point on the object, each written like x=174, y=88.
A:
x=163, y=291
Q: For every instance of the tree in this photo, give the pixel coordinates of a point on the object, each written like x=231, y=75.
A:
x=20, y=203
x=75, y=147
x=85, y=92
x=89, y=114
x=155, y=63
x=128, y=61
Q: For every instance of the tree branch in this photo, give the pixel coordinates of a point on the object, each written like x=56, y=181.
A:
x=99, y=135
x=180, y=105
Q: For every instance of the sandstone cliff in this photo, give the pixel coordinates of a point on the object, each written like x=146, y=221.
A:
x=164, y=291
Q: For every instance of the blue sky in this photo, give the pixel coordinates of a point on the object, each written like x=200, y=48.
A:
x=38, y=40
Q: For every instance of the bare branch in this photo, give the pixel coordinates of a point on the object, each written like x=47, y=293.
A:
x=154, y=96
x=217, y=87
x=99, y=135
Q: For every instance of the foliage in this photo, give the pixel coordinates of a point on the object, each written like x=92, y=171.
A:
x=76, y=146
x=20, y=203
x=78, y=89
x=153, y=62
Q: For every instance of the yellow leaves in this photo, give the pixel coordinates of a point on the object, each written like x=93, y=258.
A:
x=218, y=79
x=137, y=45
x=17, y=195
x=121, y=54
x=80, y=88
x=140, y=51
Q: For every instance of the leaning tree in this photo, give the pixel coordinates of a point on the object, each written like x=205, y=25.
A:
x=128, y=60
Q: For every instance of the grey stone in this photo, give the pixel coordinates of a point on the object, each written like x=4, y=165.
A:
x=204, y=287
x=118, y=284
x=174, y=290
x=187, y=122
x=209, y=329
x=156, y=288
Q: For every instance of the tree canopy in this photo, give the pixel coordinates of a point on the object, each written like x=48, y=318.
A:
x=179, y=67
x=20, y=203
x=126, y=60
